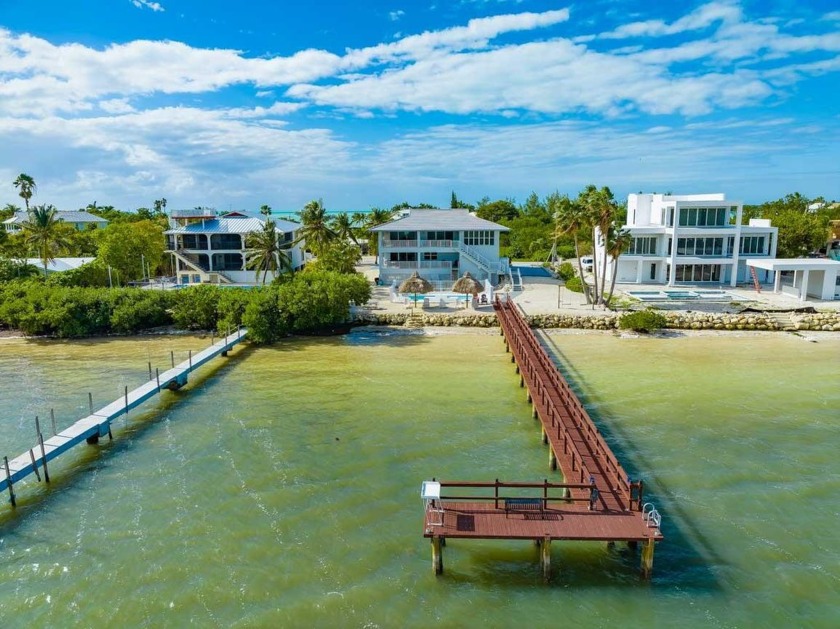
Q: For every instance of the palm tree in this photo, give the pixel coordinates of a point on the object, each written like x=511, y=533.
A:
x=315, y=229
x=600, y=209
x=27, y=187
x=618, y=240
x=43, y=231
x=265, y=210
x=342, y=225
x=265, y=252
x=572, y=219
x=377, y=216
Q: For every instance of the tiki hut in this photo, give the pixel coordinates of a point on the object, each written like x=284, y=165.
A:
x=415, y=284
x=468, y=285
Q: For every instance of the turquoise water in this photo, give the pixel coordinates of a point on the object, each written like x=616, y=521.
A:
x=282, y=489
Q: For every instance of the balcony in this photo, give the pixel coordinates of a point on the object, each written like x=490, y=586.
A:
x=398, y=244
x=414, y=265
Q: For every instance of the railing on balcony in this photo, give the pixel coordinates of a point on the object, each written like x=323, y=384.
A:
x=439, y=244
x=417, y=264
x=395, y=244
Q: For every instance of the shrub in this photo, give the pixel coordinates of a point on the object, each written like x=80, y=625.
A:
x=566, y=271
x=197, y=307
x=642, y=321
x=574, y=284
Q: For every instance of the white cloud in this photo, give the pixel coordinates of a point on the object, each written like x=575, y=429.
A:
x=396, y=15
x=702, y=17
x=154, y=6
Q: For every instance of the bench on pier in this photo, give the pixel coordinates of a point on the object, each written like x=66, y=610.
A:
x=518, y=505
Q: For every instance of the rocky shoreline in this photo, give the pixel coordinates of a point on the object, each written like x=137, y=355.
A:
x=764, y=321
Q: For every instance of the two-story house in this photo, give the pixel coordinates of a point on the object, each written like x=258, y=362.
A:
x=689, y=239
x=78, y=219
x=212, y=249
x=441, y=245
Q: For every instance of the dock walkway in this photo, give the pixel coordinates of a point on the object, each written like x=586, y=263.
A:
x=98, y=424
x=597, y=500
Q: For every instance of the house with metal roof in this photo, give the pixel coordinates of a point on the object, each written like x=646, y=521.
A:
x=211, y=249
x=440, y=245
x=78, y=219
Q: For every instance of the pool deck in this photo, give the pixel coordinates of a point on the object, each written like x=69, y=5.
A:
x=544, y=295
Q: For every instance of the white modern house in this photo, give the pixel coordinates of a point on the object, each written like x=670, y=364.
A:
x=690, y=239
x=78, y=219
x=211, y=249
x=440, y=245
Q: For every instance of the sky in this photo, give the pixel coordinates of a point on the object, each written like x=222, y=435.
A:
x=371, y=103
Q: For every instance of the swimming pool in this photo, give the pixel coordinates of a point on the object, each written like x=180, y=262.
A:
x=435, y=297
x=680, y=295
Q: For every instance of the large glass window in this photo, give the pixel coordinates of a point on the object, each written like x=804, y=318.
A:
x=225, y=241
x=699, y=246
x=193, y=241
x=476, y=238
x=752, y=244
x=697, y=273
x=704, y=217
x=404, y=256
x=642, y=246
x=227, y=262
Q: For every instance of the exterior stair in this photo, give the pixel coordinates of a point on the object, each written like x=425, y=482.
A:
x=414, y=320
x=782, y=319
x=206, y=274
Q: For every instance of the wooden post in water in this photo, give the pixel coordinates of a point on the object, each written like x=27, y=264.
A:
x=9, y=482
x=437, y=555
x=90, y=402
x=126, y=403
x=150, y=370
x=190, y=360
x=552, y=458
x=52, y=419
x=44, y=457
x=172, y=358
x=544, y=435
x=34, y=465
x=647, y=558
x=43, y=452
x=157, y=376
x=545, y=558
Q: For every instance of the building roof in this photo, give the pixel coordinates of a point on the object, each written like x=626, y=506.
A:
x=59, y=264
x=224, y=225
x=72, y=216
x=440, y=220
x=793, y=264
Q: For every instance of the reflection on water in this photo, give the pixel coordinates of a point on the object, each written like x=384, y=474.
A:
x=283, y=488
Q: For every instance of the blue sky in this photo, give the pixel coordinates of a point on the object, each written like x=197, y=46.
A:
x=371, y=103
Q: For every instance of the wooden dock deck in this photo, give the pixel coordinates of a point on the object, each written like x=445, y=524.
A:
x=98, y=423
x=597, y=501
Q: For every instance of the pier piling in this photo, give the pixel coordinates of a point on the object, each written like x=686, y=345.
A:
x=437, y=554
x=52, y=420
x=647, y=558
x=12, y=498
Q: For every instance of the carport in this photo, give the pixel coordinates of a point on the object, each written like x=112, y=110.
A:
x=812, y=277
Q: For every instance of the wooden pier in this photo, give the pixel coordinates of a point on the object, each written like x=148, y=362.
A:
x=98, y=424
x=597, y=500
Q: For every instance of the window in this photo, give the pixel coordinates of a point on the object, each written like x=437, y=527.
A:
x=700, y=246
x=403, y=256
x=430, y=255
x=642, y=246
x=752, y=244
x=225, y=241
x=440, y=235
x=227, y=262
x=704, y=217
x=403, y=235
x=697, y=273
x=478, y=238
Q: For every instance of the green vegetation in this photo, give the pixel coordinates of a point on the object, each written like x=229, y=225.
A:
x=566, y=271
x=266, y=252
x=307, y=302
x=642, y=321
x=574, y=284
x=801, y=230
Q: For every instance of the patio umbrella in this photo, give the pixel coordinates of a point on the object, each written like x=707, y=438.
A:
x=468, y=285
x=415, y=284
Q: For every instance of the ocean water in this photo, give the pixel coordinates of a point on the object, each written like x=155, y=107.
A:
x=281, y=489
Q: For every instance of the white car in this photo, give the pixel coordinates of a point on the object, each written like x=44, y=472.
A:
x=586, y=263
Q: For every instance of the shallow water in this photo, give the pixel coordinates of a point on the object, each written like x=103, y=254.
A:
x=282, y=488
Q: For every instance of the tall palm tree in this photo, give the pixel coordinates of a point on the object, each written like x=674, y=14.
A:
x=265, y=210
x=43, y=231
x=600, y=209
x=265, y=252
x=573, y=219
x=315, y=228
x=26, y=187
x=377, y=216
x=618, y=241
x=342, y=225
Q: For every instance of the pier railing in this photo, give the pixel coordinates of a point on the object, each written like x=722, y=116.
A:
x=98, y=423
x=545, y=487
